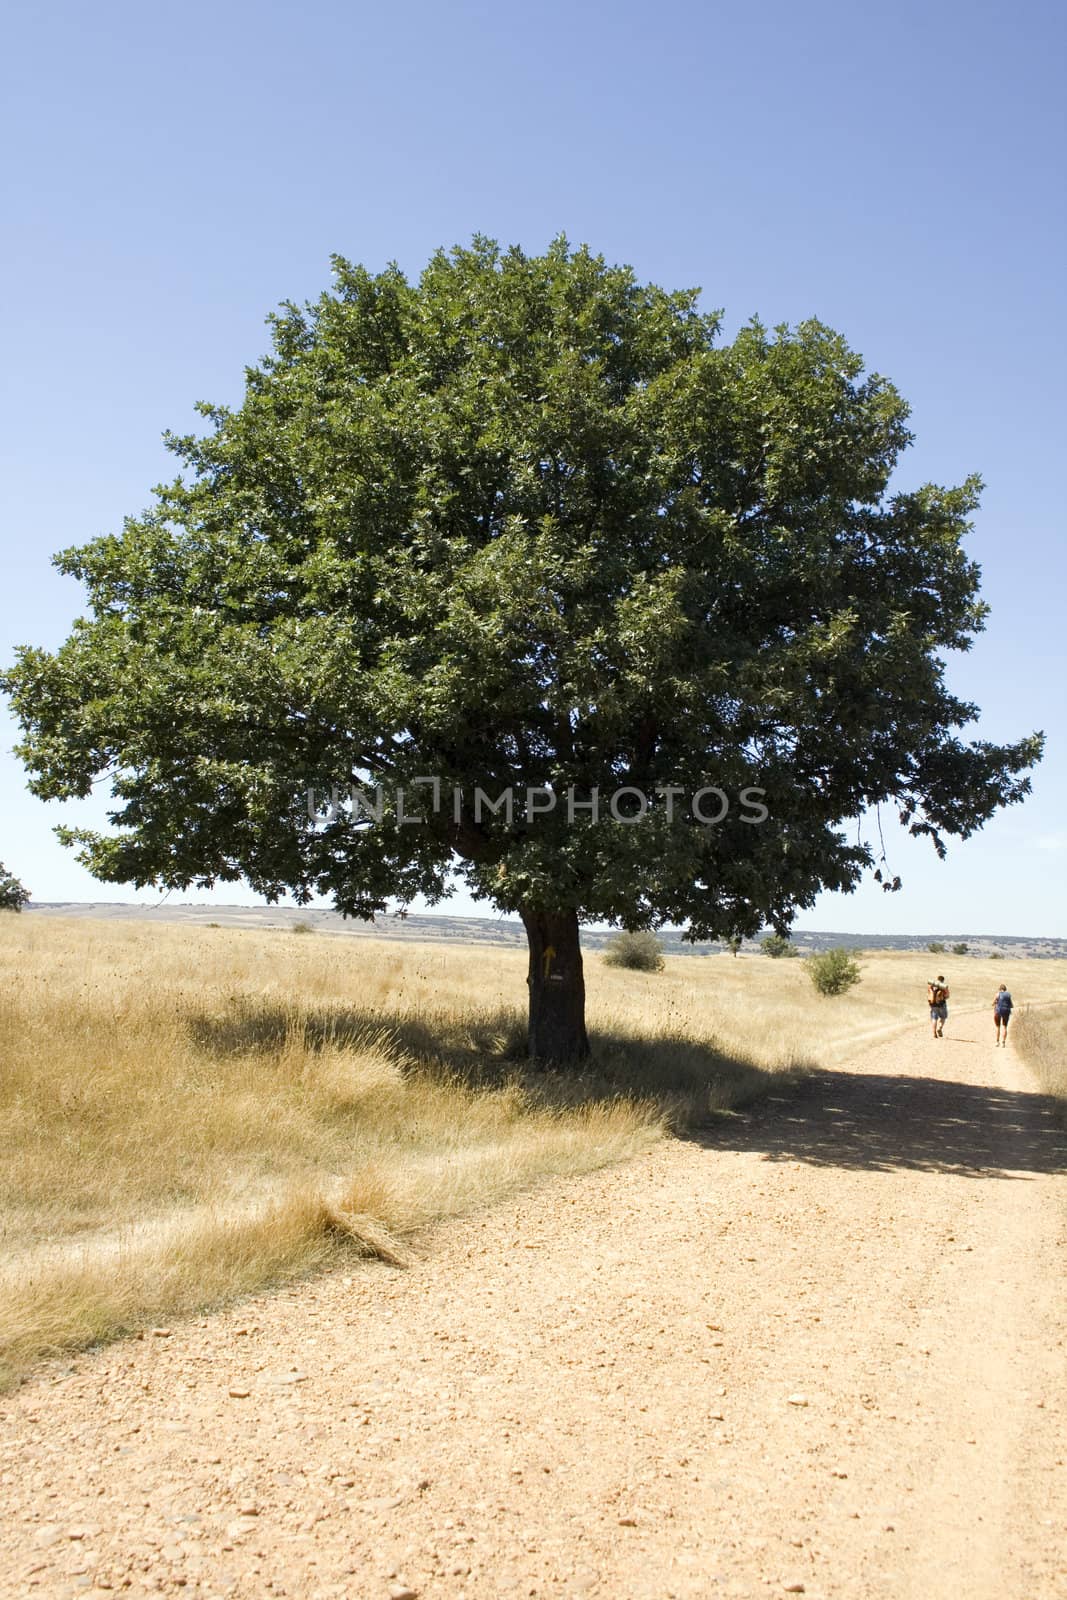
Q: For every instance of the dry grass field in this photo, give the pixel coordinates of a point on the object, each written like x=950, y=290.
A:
x=1041, y=1036
x=190, y=1113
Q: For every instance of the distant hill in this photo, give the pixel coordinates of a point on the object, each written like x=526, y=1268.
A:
x=509, y=931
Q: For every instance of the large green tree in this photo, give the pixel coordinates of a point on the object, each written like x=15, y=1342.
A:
x=526, y=525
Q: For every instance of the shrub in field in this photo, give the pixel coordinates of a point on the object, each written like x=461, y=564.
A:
x=833, y=971
x=12, y=894
x=641, y=952
x=777, y=945
x=936, y=948
x=959, y=949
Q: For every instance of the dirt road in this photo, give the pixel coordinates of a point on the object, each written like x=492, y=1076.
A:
x=821, y=1346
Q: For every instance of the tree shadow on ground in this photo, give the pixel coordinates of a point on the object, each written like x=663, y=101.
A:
x=254, y=1027
x=879, y=1122
x=690, y=1078
x=873, y=1122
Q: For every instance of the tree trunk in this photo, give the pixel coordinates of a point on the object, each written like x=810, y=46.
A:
x=557, y=986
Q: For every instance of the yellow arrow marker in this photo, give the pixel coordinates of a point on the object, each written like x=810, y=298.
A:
x=546, y=960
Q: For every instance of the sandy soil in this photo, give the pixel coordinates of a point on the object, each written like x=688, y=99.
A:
x=819, y=1349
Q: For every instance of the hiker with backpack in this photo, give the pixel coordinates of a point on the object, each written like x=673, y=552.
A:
x=1002, y=1006
x=937, y=996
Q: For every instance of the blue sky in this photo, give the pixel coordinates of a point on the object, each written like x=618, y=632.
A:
x=172, y=173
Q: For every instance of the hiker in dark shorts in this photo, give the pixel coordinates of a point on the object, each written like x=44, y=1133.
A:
x=1002, y=1004
x=937, y=996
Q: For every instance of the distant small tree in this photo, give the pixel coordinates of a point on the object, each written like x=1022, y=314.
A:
x=733, y=944
x=936, y=948
x=959, y=949
x=833, y=971
x=13, y=896
x=777, y=945
x=641, y=952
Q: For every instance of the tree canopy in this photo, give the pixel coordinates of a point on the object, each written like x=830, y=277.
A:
x=13, y=894
x=526, y=524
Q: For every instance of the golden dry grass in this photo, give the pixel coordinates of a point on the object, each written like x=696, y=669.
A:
x=190, y=1113
x=1041, y=1037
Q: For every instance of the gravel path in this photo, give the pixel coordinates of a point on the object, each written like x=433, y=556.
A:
x=819, y=1349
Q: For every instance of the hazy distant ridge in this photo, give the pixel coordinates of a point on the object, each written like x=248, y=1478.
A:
x=505, y=931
